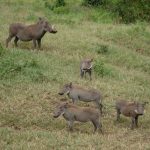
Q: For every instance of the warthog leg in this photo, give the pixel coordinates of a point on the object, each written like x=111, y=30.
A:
x=70, y=125
x=39, y=43
x=16, y=40
x=81, y=73
x=90, y=74
x=136, y=121
x=132, y=122
x=118, y=114
x=97, y=125
x=34, y=43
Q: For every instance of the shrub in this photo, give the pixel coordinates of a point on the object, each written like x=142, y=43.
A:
x=60, y=3
x=101, y=70
x=92, y=2
x=130, y=11
x=101, y=49
x=52, y=6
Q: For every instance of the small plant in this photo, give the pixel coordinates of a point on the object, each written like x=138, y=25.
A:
x=60, y=3
x=92, y=2
x=48, y=5
x=102, y=49
x=101, y=69
x=56, y=4
x=131, y=11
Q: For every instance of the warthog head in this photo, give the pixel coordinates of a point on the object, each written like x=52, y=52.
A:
x=66, y=89
x=87, y=64
x=60, y=109
x=139, y=110
x=46, y=26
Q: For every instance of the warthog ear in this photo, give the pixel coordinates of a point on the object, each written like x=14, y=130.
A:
x=70, y=85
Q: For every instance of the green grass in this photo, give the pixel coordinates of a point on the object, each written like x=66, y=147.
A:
x=30, y=80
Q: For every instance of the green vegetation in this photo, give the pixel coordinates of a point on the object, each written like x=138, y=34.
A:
x=30, y=79
x=92, y=2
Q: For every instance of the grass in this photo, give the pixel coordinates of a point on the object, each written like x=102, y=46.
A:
x=30, y=80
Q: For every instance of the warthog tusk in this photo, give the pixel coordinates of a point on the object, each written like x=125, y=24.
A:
x=136, y=111
x=52, y=26
x=67, y=92
x=90, y=67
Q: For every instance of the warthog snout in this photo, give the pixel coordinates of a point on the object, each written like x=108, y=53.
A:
x=59, y=110
x=52, y=29
x=65, y=89
x=56, y=114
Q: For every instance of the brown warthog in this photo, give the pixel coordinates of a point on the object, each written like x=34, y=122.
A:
x=130, y=109
x=73, y=113
x=33, y=32
x=86, y=67
x=78, y=93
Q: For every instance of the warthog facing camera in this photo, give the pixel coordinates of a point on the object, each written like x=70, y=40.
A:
x=86, y=67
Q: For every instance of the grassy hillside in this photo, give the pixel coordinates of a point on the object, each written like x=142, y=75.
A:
x=30, y=79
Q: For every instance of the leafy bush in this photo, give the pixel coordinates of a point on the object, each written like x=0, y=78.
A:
x=102, y=49
x=52, y=6
x=60, y=3
x=92, y=2
x=130, y=11
x=101, y=69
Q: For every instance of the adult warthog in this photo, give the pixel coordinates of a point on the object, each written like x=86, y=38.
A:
x=130, y=109
x=33, y=32
x=78, y=93
x=73, y=113
x=86, y=67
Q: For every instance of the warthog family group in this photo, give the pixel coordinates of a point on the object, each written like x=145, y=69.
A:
x=76, y=93
x=71, y=111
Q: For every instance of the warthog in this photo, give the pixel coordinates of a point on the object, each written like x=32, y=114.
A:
x=78, y=93
x=86, y=67
x=130, y=109
x=33, y=32
x=73, y=113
